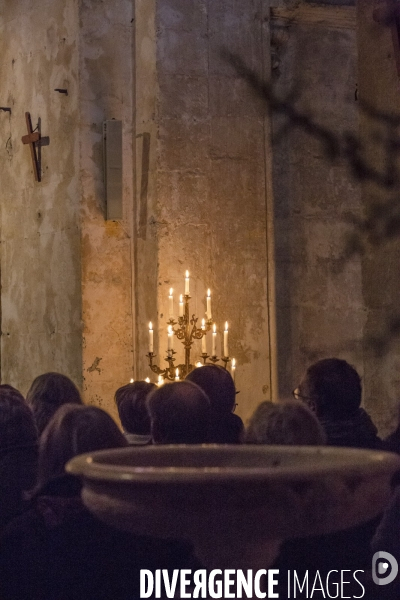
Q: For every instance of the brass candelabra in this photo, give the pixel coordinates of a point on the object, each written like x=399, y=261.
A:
x=186, y=331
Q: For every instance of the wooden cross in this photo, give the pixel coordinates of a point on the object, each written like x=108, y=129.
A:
x=31, y=139
x=389, y=15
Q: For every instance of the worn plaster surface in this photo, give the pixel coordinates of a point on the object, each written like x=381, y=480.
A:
x=206, y=195
x=106, y=92
x=40, y=238
x=66, y=272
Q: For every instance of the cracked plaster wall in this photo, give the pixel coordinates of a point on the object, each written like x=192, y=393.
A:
x=66, y=273
x=106, y=92
x=40, y=238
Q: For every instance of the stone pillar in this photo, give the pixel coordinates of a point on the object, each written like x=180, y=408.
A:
x=319, y=297
x=202, y=189
x=378, y=85
x=106, y=92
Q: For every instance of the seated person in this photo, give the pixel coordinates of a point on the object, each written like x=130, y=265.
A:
x=58, y=550
x=18, y=453
x=217, y=383
x=75, y=429
x=332, y=389
x=135, y=420
x=47, y=393
x=179, y=414
x=288, y=423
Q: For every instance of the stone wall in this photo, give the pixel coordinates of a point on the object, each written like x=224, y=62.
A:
x=106, y=92
x=379, y=87
x=40, y=238
x=319, y=296
x=205, y=198
x=66, y=272
x=329, y=305
x=78, y=291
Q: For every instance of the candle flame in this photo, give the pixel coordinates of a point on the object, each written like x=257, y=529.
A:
x=170, y=330
x=187, y=274
x=226, y=325
x=199, y=364
x=160, y=380
x=132, y=381
x=170, y=291
x=209, y=293
x=203, y=323
x=233, y=363
x=147, y=380
x=150, y=326
x=214, y=328
x=181, y=299
x=177, y=373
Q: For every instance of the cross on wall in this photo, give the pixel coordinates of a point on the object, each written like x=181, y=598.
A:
x=31, y=139
x=35, y=141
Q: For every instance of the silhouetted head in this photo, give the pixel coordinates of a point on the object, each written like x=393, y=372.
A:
x=179, y=414
x=73, y=430
x=287, y=423
x=331, y=388
x=131, y=403
x=47, y=393
x=218, y=384
x=17, y=425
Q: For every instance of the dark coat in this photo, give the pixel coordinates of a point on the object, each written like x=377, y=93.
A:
x=59, y=551
x=18, y=471
x=226, y=429
x=356, y=431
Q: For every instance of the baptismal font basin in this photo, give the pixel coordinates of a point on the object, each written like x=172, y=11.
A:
x=235, y=503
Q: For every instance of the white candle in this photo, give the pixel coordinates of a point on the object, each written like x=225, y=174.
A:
x=226, y=351
x=151, y=340
x=187, y=284
x=147, y=380
x=132, y=380
x=181, y=305
x=233, y=369
x=170, y=340
x=204, y=338
x=208, y=312
x=176, y=374
x=214, y=341
x=171, y=303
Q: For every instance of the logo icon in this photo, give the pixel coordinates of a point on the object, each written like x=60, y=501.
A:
x=384, y=564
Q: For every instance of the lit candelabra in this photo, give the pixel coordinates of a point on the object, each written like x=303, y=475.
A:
x=187, y=331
